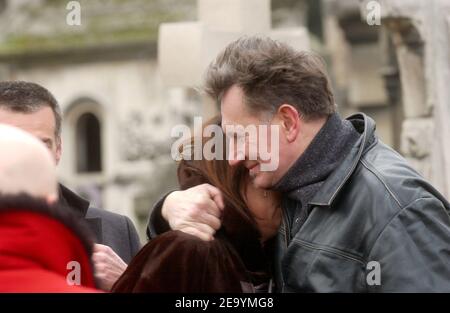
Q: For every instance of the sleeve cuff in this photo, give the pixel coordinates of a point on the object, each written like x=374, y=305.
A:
x=157, y=224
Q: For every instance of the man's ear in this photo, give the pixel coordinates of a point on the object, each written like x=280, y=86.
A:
x=58, y=149
x=289, y=121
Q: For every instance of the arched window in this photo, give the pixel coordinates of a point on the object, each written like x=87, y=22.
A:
x=88, y=144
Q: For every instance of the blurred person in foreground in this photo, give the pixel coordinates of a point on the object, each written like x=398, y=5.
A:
x=39, y=241
x=238, y=260
x=33, y=108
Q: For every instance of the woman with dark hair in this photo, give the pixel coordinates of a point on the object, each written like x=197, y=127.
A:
x=236, y=261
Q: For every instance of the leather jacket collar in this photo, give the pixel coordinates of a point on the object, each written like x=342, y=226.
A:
x=336, y=181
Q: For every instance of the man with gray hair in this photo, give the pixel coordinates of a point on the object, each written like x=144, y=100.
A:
x=356, y=216
x=33, y=109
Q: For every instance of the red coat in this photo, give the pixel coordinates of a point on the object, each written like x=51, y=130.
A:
x=35, y=250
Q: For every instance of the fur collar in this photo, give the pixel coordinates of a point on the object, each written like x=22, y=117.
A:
x=63, y=214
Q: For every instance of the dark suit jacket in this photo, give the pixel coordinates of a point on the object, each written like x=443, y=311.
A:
x=110, y=229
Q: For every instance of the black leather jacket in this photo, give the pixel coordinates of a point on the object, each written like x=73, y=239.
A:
x=375, y=225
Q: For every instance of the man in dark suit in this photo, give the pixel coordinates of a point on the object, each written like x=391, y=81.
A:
x=33, y=108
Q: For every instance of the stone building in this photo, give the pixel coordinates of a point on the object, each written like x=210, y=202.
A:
x=104, y=73
x=397, y=72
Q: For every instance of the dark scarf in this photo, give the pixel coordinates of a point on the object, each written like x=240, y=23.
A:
x=304, y=179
